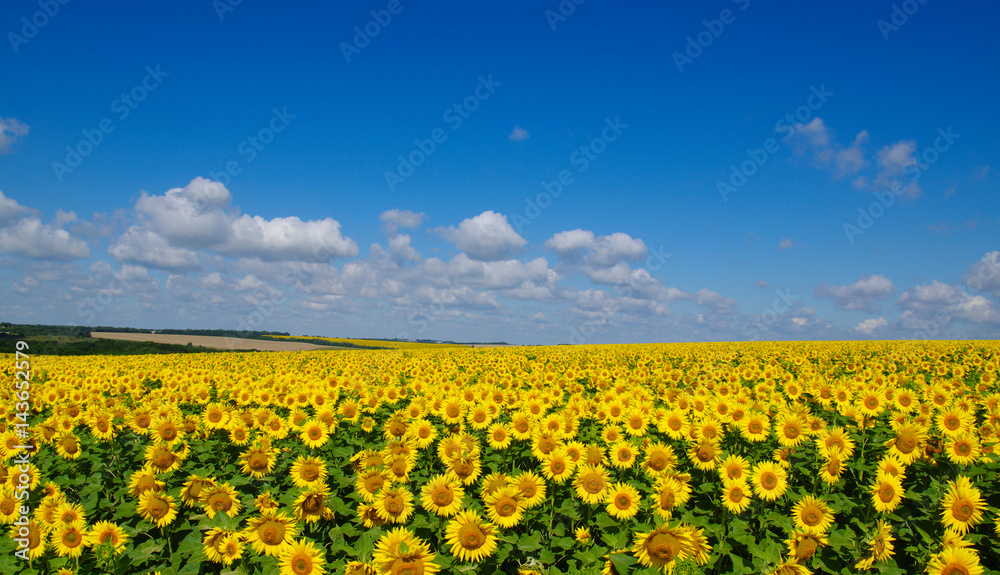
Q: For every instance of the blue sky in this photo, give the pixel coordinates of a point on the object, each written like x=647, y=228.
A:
x=198, y=164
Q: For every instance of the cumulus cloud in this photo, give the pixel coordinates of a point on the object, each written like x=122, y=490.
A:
x=200, y=217
x=400, y=246
x=10, y=210
x=861, y=295
x=31, y=238
x=816, y=140
x=583, y=247
x=870, y=325
x=984, y=275
x=10, y=131
x=936, y=305
x=519, y=134
x=893, y=162
x=395, y=219
x=487, y=237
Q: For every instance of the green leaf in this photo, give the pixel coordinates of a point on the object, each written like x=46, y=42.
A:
x=530, y=542
x=622, y=562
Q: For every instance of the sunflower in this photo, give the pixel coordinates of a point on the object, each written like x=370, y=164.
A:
x=442, y=495
x=258, y=461
x=790, y=567
x=622, y=501
x=370, y=482
x=770, y=480
x=659, y=458
x=530, y=489
x=582, y=535
x=422, y=433
x=504, y=506
x=835, y=440
x=162, y=457
x=220, y=498
x=591, y=483
x=194, y=488
x=623, y=455
x=802, y=545
x=157, y=507
x=955, y=560
x=308, y=471
x=962, y=506
x=891, y=466
x=394, y=505
x=756, y=427
x=662, y=547
x=908, y=442
x=790, y=430
x=557, y=466
x=734, y=468
x=70, y=539
x=812, y=515
x=499, y=436
x=68, y=446
x=831, y=470
x=674, y=424
x=359, y=568
x=302, y=557
x=879, y=546
x=270, y=532
x=215, y=416
x=471, y=538
x=671, y=492
x=401, y=552
x=314, y=434
x=36, y=544
x=230, y=548
x=265, y=502
x=962, y=448
x=887, y=492
x=736, y=496
x=954, y=421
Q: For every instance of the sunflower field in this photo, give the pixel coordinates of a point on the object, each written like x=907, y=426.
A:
x=790, y=458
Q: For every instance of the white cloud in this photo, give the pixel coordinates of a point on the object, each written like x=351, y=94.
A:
x=935, y=305
x=10, y=210
x=816, y=140
x=487, y=237
x=287, y=238
x=870, y=325
x=893, y=161
x=583, y=247
x=519, y=134
x=143, y=246
x=31, y=238
x=393, y=220
x=10, y=131
x=984, y=275
x=861, y=295
x=400, y=246
x=193, y=216
x=785, y=244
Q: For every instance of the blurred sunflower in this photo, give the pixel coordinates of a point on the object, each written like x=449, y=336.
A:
x=157, y=508
x=308, y=471
x=802, y=545
x=220, y=498
x=955, y=560
x=662, y=547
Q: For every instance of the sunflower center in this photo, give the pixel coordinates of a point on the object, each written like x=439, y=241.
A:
x=471, y=536
x=407, y=566
x=906, y=442
x=271, y=532
x=963, y=449
x=962, y=511
x=107, y=537
x=705, y=453
x=443, y=495
x=887, y=493
x=593, y=483
x=792, y=431
x=506, y=506
x=70, y=445
x=315, y=433
x=755, y=427
x=220, y=501
x=309, y=472
x=736, y=495
x=663, y=546
x=769, y=480
x=257, y=462
x=812, y=517
x=162, y=458
x=806, y=548
x=312, y=504
x=557, y=467
x=623, y=501
x=657, y=462
x=158, y=508
x=301, y=565
x=952, y=422
x=72, y=538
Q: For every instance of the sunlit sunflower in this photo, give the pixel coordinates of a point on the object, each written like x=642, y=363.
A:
x=394, y=504
x=157, y=508
x=369, y=483
x=674, y=424
x=835, y=440
x=270, y=532
x=658, y=459
x=954, y=561
x=194, y=487
x=220, y=498
x=963, y=505
x=662, y=547
x=736, y=496
x=504, y=506
x=442, y=495
x=400, y=552
x=582, y=535
x=422, y=432
x=35, y=536
x=812, y=515
x=471, y=538
x=530, y=489
x=557, y=466
x=671, y=493
x=879, y=546
x=301, y=557
x=790, y=567
x=734, y=468
x=756, y=427
x=258, y=461
x=802, y=545
x=954, y=421
x=68, y=446
x=887, y=492
x=70, y=539
x=908, y=443
x=591, y=483
x=790, y=430
x=962, y=448
x=622, y=501
x=770, y=480
x=891, y=466
x=831, y=469
x=499, y=436
x=265, y=502
x=359, y=568
x=623, y=455
x=164, y=457
x=314, y=434
x=308, y=471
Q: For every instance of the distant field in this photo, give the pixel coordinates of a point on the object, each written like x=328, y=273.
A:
x=376, y=342
x=215, y=342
